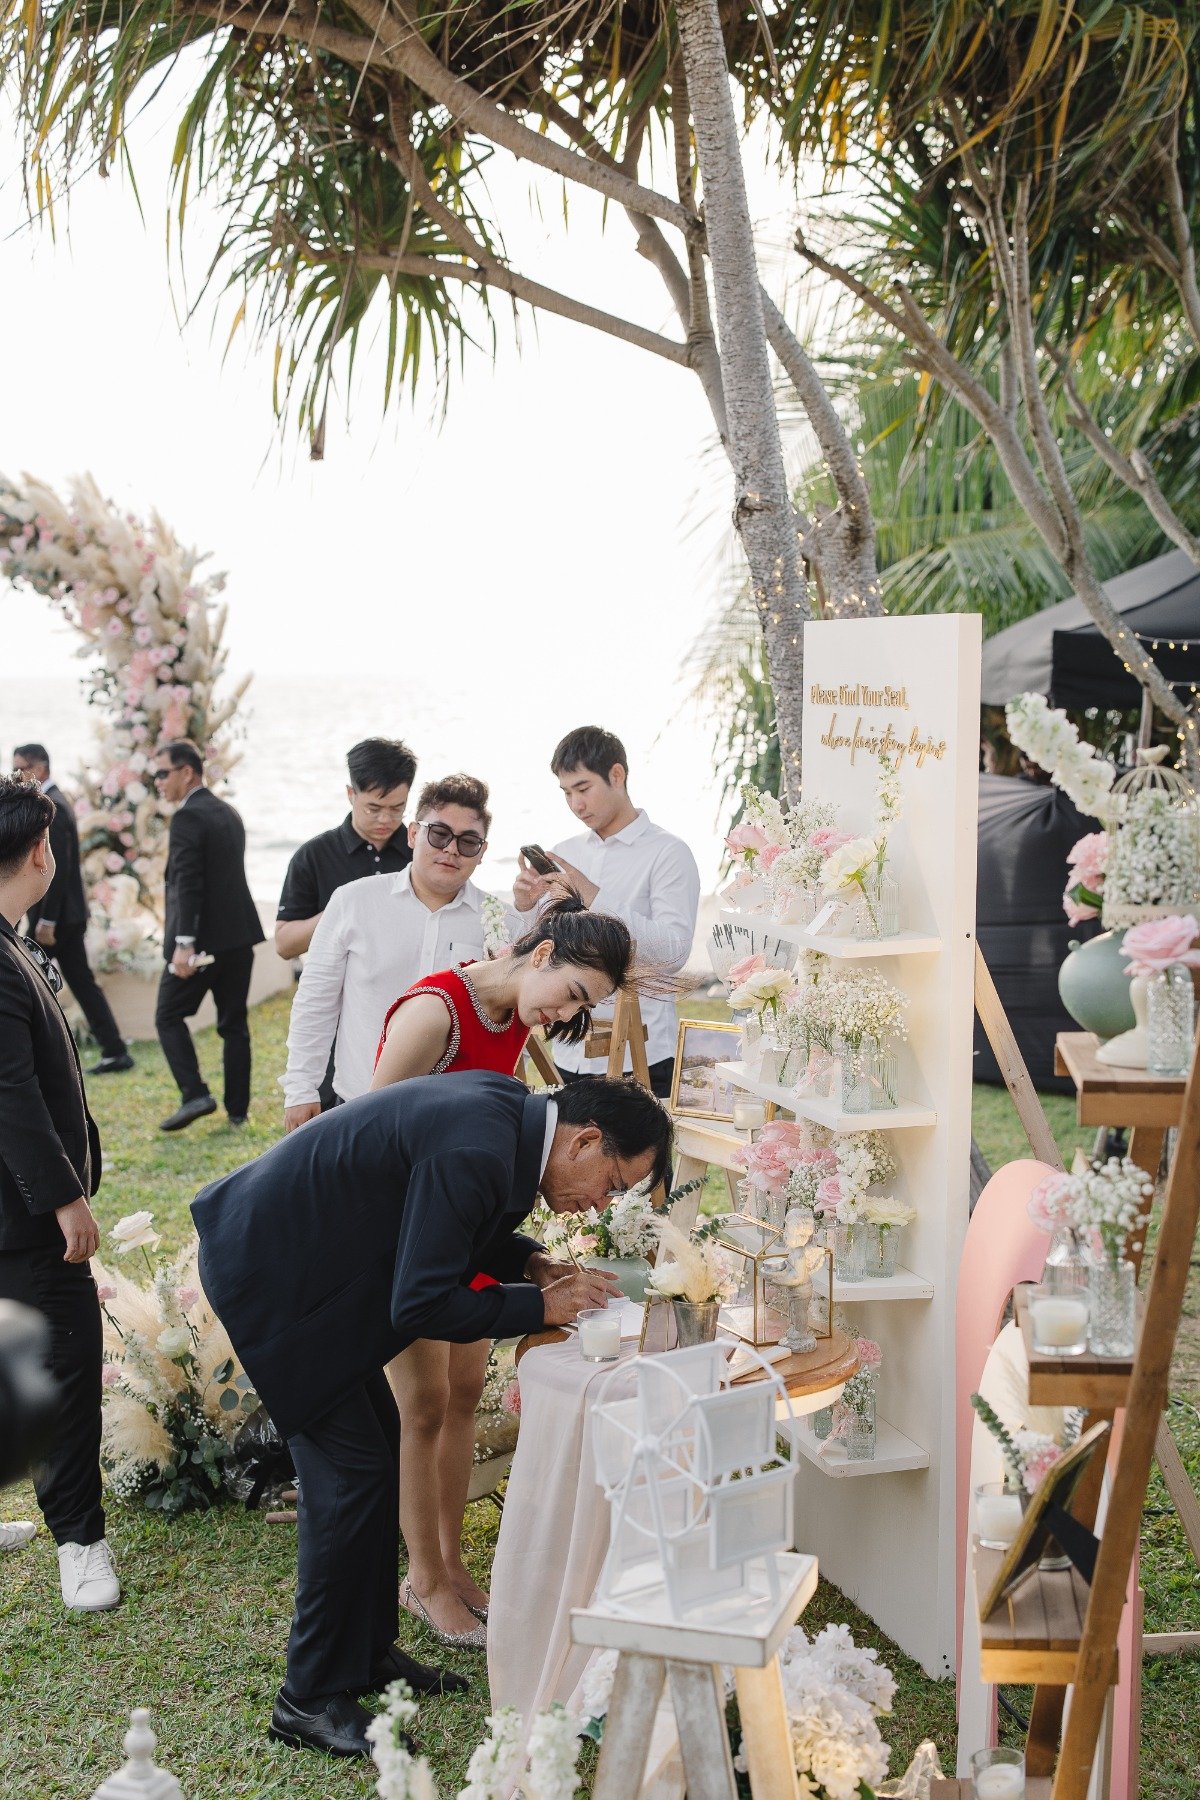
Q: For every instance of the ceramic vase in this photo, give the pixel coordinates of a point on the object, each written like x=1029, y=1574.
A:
x=1093, y=983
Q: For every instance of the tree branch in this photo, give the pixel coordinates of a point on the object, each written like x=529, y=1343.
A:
x=1181, y=230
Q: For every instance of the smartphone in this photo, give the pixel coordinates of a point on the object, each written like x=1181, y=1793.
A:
x=537, y=859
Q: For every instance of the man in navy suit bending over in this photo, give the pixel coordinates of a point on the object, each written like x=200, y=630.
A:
x=350, y=1239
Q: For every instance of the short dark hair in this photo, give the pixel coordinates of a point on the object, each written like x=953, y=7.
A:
x=587, y=939
x=33, y=753
x=378, y=765
x=183, y=754
x=25, y=815
x=456, y=790
x=630, y=1120
x=589, y=747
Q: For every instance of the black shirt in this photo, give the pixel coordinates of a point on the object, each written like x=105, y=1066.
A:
x=331, y=859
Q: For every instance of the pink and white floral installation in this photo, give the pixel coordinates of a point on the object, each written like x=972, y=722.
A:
x=154, y=633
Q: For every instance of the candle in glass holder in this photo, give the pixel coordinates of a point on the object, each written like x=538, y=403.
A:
x=748, y=1113
x=600, y=1334
x=997, y=1515
x=1059, y=1321
x=998, y=1774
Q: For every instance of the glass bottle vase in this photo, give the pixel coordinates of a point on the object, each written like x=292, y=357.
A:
x=1066, y=1266
x=847, y=1245
x=860, y=1432
x=822, y=1422
x=1112, y=1287
x=877, y=912
x=868, y=1076
x=879, y=1246
x=1171, y=1020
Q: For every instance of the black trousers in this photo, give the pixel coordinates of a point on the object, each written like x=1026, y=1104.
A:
x=71, y=957
x=348, y=1543
x=68, y=1482
x=228, y=979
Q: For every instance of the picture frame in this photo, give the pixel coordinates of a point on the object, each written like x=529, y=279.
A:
x=1053, y=1496
x=697, y=1092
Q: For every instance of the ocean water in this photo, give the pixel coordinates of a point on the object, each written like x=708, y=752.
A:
x=294, y=734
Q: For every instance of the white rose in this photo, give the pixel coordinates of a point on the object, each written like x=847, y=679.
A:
x=134, y=1232
x=843, y=866
x=885, y=1209
x=137, y=790
x=175, y=1342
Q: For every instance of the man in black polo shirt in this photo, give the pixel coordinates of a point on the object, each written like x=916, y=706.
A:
x=371, y=840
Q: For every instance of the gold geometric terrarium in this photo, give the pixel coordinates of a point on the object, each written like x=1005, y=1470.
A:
x=753, y=1313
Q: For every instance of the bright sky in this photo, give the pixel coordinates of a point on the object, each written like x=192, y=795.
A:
x=555, y=545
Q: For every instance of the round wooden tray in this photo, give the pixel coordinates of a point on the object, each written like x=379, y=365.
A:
x=834, y=1359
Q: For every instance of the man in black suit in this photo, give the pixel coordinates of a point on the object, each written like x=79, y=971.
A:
x=59, y=920
x=352, y=1238
x=49, y=1169
x=209, y=910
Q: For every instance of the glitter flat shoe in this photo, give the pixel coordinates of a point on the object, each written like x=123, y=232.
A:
x=475, y=1639
x=481, y=1612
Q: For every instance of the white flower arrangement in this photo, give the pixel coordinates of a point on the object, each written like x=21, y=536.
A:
x=887, y=1212
x=835, y=1693
x=154, y=630
x=497, y=938
x=631, y=1224
x=401, y=1775
x=1106, y=1203
x=762, y=992
x=495, y=1769
x=1048, y=738
x=496, y=1763
x=1151, y=859
x=554, y=1741
x=888, y=801
x=764, y=810
x=698, y=1270
x=849, y=865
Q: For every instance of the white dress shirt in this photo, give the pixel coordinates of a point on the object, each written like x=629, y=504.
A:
x=649, y=879
x=548, y=1139
x=375, y=938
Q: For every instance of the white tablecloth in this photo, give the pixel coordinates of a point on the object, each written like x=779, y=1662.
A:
x=553, y=1534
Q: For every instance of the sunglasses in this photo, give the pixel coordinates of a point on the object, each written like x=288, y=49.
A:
x=45, y=963
x=467, y=843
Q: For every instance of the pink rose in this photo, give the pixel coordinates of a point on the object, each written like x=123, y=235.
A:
x=106, y=1292
x=185, y=1297
x=769, y=856
x=110, y=1375
x=741, y=971
x=1078, y=912
x=114, y=863
x=510, y=1399
x=1038, y=1464
x=1047, y=1205
x=1088, y=858
x=869, y=1354
x=747, y=838
x=824, y=1160
x=1157, y=943
x=828, y=839
x=829, y=1194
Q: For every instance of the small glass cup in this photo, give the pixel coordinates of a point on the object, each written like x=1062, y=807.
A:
x=997, y=1515
x=1058, y=1319
x=600, y=1334
x=998, y=1774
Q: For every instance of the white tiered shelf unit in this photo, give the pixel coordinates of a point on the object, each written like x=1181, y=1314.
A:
x=915, y=683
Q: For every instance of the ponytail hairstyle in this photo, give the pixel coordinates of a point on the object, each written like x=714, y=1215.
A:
x=591, y=941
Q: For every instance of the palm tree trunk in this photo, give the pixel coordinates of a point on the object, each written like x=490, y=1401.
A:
x=763, y=508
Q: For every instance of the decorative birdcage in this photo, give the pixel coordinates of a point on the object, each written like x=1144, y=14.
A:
x=702, y=1500
x=1153, y=823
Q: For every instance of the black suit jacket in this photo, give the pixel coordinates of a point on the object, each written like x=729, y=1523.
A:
x=208, y=898
x=64, y=902
x=49, y=1145
x=360, y=1232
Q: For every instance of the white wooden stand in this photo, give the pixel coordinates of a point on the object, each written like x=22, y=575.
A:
x=655, y=1651
x=139, y=1779
x=889, y=1543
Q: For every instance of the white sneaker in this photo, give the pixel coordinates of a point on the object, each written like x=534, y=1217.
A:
x=16, y=1533
x=88, y=1577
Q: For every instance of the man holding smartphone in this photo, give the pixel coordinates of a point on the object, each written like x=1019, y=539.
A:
x=625, y=865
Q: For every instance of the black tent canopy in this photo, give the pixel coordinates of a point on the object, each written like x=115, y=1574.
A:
x=1061, y=652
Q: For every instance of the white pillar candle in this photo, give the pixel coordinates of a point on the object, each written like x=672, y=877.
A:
x=748, y=1113
x=600, y=1334
x=1003, y=1781
x=997, y=1516
x=1059, y=1321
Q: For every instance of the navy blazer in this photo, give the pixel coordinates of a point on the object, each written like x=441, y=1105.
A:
x=360, y=1232
x=49, y=1145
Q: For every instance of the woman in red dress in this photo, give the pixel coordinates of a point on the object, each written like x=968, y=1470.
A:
x=477, y=1016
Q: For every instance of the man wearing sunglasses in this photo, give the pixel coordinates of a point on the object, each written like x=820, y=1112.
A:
x=375, y=938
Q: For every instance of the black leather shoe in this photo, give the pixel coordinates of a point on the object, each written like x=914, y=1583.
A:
x=112, y=1065
x=421, y=1677
x=237, y=1118
x=339, y=1728
x=189, y=1112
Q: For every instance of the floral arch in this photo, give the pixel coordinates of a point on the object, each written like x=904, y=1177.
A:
x=153, y=632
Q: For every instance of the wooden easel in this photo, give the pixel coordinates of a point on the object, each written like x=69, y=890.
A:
x=1051, y=1650
x=624, y=1031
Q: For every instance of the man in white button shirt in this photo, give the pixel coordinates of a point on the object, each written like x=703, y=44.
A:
x=625, y=865
x=375, y=938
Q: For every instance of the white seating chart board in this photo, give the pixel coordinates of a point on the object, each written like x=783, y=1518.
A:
x=909, y=686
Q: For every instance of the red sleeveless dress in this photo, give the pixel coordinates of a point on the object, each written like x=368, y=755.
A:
x=476, y=1042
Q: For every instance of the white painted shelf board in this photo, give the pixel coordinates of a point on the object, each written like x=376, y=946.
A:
x=894, y=1453
x=843, y=949
x=824, y=1112
x=903, y=1285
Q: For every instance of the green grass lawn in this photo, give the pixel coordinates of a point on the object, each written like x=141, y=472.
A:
x=201, y=1632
